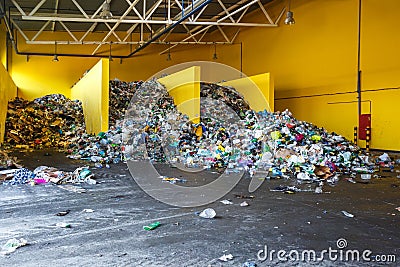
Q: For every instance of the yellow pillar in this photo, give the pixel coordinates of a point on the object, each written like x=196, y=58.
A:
x=8, y=91
x=184, y=87
x=93, y=90
x=257, y=90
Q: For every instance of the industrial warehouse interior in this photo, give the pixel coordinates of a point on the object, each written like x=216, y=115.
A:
x=199, y=133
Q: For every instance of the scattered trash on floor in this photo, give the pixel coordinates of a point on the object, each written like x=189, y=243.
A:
x=151, y=226
x=351, y=180
x=226, y=202
x=365, y=176
x=244, y=204
x=244, y=196
x=173, y=180
x=286, y=189
x=208, y=213
x=63, y=225
x=7, y=174
x=347, y=214
x=45, y=174
x=88, y=210
x=249, y=264
x=318, y=189
x=11, y=245
x=226, y=257
x=20, y=176
x=63, y=213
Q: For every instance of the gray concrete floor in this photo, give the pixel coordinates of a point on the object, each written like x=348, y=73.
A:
x=113, y=234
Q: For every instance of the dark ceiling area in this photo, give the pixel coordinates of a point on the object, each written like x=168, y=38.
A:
x=133, y=22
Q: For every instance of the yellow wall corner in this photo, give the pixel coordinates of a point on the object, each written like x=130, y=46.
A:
x=92, y=91
x=257, y=90
x=184, y=87
x=8, y=91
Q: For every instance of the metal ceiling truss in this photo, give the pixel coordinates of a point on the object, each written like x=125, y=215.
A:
x=141, y=19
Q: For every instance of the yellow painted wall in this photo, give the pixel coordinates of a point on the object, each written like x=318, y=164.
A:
x=323, y=111
x=92, y=90
x=258, y=90
x=144, y=66
x=8, y=91
x=39, y=76
x=3, y=43
x=184, y=87
x=318, y=55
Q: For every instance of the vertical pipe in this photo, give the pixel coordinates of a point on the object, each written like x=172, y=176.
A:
x=241, y=59
x=359, y=59
x=8, y=34
x=355, y=135
x=142, y=25
x=367, y=138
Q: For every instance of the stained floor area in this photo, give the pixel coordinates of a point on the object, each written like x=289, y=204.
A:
x=113, y=234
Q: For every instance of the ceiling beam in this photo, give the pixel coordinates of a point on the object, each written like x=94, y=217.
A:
x=149, y=21
x=80, y=9
x=19, y=8
x=37, y=7
x=117, y=24
x=121, y=43
x=53, y=26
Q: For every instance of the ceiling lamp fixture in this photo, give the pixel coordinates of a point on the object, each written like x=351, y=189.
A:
x=105, y=12
x=215, y=57
x=55, y=58
x=289, y=20
x=169, y=54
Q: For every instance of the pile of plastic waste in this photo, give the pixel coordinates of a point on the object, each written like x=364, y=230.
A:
x=227, y=136
x=47, y=121
x=232, y=136
x=105, y=147
x=120, y=95
x=101, y=149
